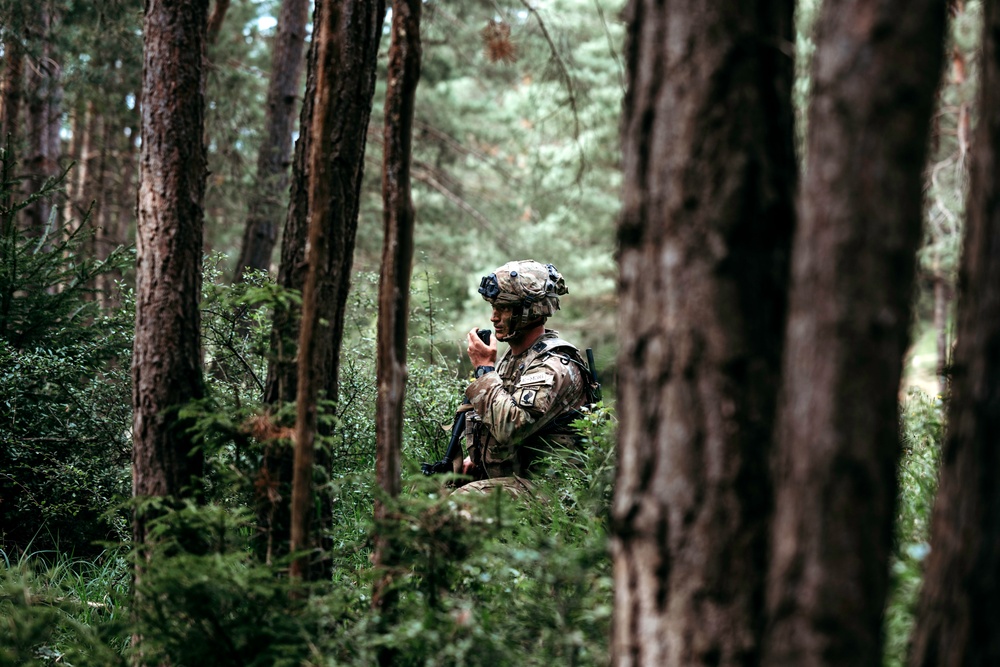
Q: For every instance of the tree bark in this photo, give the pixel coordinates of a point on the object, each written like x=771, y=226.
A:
x=73, y=185
x=215, y=20
x=166, y=361
x=274, y=509
x=116, y=213
x=959, y=608
x=273, y=160
x=344, y=51
x=79, y=196
x=44, y=116
x=875, y=73
x=10, y=104
x=705, y=237
x=942, y=306
x=397, y=264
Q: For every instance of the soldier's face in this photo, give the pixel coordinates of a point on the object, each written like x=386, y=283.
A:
x=501, y=321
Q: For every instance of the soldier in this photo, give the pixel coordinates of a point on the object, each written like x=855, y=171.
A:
x=522, y=408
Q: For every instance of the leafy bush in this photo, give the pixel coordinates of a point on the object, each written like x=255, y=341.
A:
x=479, y=580
x=217, y=606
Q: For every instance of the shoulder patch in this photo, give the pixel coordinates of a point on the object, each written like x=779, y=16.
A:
x=527, y=399
x=539, y=346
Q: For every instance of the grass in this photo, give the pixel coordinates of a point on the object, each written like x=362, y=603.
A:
x=54, y=607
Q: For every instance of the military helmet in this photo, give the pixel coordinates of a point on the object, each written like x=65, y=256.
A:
x=531, y=288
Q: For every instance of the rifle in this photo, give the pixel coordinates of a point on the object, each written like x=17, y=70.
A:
x=457, y=429
x=593, y=375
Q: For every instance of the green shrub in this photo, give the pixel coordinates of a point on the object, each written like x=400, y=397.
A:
x=65, y=401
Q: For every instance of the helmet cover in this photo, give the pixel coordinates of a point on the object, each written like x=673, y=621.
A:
x=532, y=286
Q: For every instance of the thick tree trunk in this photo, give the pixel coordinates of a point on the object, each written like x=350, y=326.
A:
x=705, y=239
x=166, y=361
x=959, y=610
x=44, y=118
x=344, y=51
x=875, y=73
x=397, y=264
x=273, y=160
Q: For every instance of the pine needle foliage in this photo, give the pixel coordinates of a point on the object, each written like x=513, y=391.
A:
x=65, y=406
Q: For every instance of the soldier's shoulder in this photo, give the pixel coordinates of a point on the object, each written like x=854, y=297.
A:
x=550, y=341
x=555, y=361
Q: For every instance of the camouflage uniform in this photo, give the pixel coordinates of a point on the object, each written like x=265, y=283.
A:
x=524, y=408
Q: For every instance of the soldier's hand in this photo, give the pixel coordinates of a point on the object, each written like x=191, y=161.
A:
x=481, y=354
x=468, y=466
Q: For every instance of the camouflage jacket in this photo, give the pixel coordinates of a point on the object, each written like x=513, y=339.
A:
x=524, y=408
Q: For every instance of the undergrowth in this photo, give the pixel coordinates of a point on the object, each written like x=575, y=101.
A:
x=479, y=580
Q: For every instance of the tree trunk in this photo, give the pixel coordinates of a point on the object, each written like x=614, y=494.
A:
x=273, y=160
x=942, y=305
x=44, y=116
x=274, y=509
x=10, y=104
x=705, y=238
x=72, y=185
x=397, y=264
x=166, y=361
x=103, y=192
x=959, y=609
x=344, y=51
x=78, y=197
x=215, y=21
x=116, y=213
x=876, y=69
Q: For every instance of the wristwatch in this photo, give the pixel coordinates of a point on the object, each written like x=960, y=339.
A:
x=483, y=370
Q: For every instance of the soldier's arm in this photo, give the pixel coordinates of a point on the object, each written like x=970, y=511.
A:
x=545, y=391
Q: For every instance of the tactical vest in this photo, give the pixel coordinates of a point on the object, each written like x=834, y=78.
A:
x=494, y=460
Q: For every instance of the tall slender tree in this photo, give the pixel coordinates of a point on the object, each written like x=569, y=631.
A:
x=397, y=261
x=705, y=236
x=11, y=92
x=959, y=609
x=875, y=73
x=330, y=160
x=44, y=105
x=166, y=358
x=215, y=20
x=273, y=160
